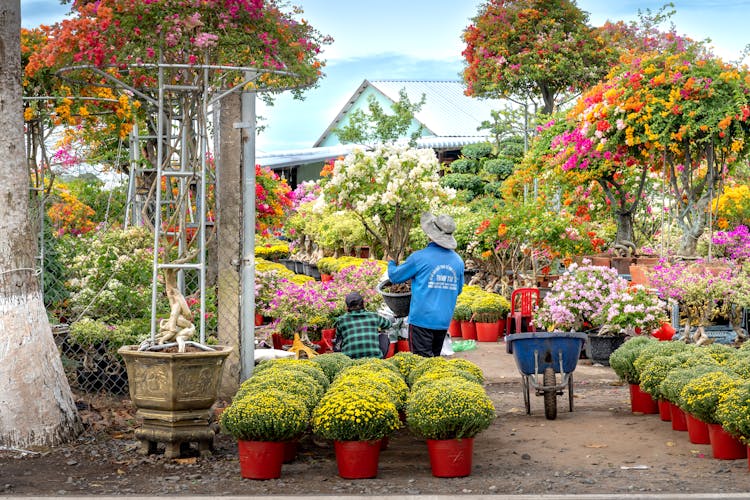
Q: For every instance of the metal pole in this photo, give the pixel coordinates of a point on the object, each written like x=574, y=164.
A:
x=157, y=211
x=247, y=277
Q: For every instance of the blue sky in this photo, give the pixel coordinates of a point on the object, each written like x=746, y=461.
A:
x=419, y=40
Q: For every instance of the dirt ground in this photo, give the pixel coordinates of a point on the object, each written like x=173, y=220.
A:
x=598, y=448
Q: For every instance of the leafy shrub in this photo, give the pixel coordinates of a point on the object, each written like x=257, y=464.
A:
x=477, y=151
x=89, y=333
x=467, y=182
x=332, y=363
x=464, y=166
x=622, y=359
x=500, y=167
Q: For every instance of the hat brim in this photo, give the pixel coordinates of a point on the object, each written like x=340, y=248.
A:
x=427, y=221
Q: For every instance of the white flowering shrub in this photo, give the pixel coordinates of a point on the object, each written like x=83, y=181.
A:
x=388, y=189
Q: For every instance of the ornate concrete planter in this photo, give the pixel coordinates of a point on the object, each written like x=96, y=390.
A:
x=174, y=393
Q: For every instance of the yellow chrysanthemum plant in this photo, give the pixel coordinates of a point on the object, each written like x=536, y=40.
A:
x=390, y=385
x=297, y=385
x=355, y=413
x=289, y=368
x=270, y=415
x=702, y=395
x=733, y=411
x=458, y=367
x=405, y=362
x=450, y=408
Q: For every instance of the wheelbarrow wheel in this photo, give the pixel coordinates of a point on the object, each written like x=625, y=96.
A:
x=550, y=394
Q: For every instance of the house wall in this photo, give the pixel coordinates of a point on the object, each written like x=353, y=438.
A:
x=362, y=103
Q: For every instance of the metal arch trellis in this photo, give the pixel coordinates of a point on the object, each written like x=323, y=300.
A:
x=181, y=160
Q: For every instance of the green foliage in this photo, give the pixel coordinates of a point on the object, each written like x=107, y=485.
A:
x=654, y=372
x=467, y=182
x=462, y=312
x=477, y=151
x=89, y=333
x=653, y=350
x=268, y=415
x=677, y=378
x=464, y=166
x=108, y=204
x=379, y=127
x=499, y=167
x=336, y=229
x=622, y=359
x=449, y=408
x=53, y=275
x=332, y=363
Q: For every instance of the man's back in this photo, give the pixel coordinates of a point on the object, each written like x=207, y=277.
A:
x=359, y=334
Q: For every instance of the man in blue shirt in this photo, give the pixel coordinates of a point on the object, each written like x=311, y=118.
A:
x=437, y=278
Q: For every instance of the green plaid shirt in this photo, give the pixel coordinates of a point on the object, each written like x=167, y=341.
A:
x=357, y=333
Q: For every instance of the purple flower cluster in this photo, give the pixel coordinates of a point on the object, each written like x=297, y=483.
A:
x=576, y=299
x=736, y=243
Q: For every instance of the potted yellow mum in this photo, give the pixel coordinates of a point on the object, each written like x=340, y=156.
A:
x=262, y=422
x=449, y=413
x=356, y=419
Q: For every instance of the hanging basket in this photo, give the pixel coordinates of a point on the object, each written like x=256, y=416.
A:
x=398, y=303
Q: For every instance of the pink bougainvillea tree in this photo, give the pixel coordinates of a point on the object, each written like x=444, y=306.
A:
x=680, y=112
x=533, y=48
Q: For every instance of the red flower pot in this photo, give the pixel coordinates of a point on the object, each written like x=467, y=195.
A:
x=697, y=430
x=402, y=346
x=501, y=327
x=391, y=350
x=665, y=410
x=450, y=457
x=290, y=451
x=487, y=332
x=642, y=402
x=357, y=459
x=454, y=329
x=468, y=330
x=678, y=418
x=258, y=319
x=260, y=459
x=724, y=446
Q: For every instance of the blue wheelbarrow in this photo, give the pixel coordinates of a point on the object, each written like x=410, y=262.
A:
x=546, y=361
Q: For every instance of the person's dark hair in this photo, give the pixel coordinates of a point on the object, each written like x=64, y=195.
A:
x=354, y=301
